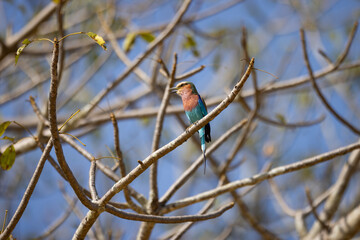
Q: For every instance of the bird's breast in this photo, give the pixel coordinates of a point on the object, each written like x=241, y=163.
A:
x=190, y=101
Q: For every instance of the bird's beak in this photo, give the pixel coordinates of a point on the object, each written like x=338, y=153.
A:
x=174, y=90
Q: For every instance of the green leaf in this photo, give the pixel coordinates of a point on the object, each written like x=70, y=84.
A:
x=281, y=118
x=7, y=159
x=8, y=138
x=129, y=41
x=3, y=127
x=98, y=39
x=25, y=43
x=145, y=121
x=189, y=42
x=147, y=36
x=195, y=52
x=56, y=1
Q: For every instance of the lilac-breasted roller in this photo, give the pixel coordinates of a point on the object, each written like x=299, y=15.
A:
x=195, y=109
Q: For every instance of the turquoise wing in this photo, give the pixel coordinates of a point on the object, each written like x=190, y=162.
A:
x=202, y=106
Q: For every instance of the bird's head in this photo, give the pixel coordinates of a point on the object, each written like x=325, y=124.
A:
x=183, y=88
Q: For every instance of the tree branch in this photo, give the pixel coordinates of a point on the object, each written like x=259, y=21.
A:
x=261, y=177
x=318, y=91
x=333, y=201
x=168, y=220
x=55, y=132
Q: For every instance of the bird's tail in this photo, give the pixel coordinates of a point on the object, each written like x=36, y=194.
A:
x=203, y=147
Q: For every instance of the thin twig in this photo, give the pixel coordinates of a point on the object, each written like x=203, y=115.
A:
x=60, y=22
x=164, y=70
x=283, y=205
x=121, y=164
x=190, y=73
x=117, y=145
x=253, y=75
x=343, y=55
x=325, y=56
x=313, y=210
x=92, y=177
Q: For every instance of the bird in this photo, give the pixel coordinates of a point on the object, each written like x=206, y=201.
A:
x=195, y=109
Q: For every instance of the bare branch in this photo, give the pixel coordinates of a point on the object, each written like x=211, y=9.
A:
x=325, y=56
x=318, y=91
x=313, y=210
x=333, y=201
x=343, y=55
x=190, y=73
x=92, y=174
x=158, y=128
x=261, y=177
x=121, y=163
x=55, y=133
x=347, y=227
x=284, y=206
x=168, y=220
